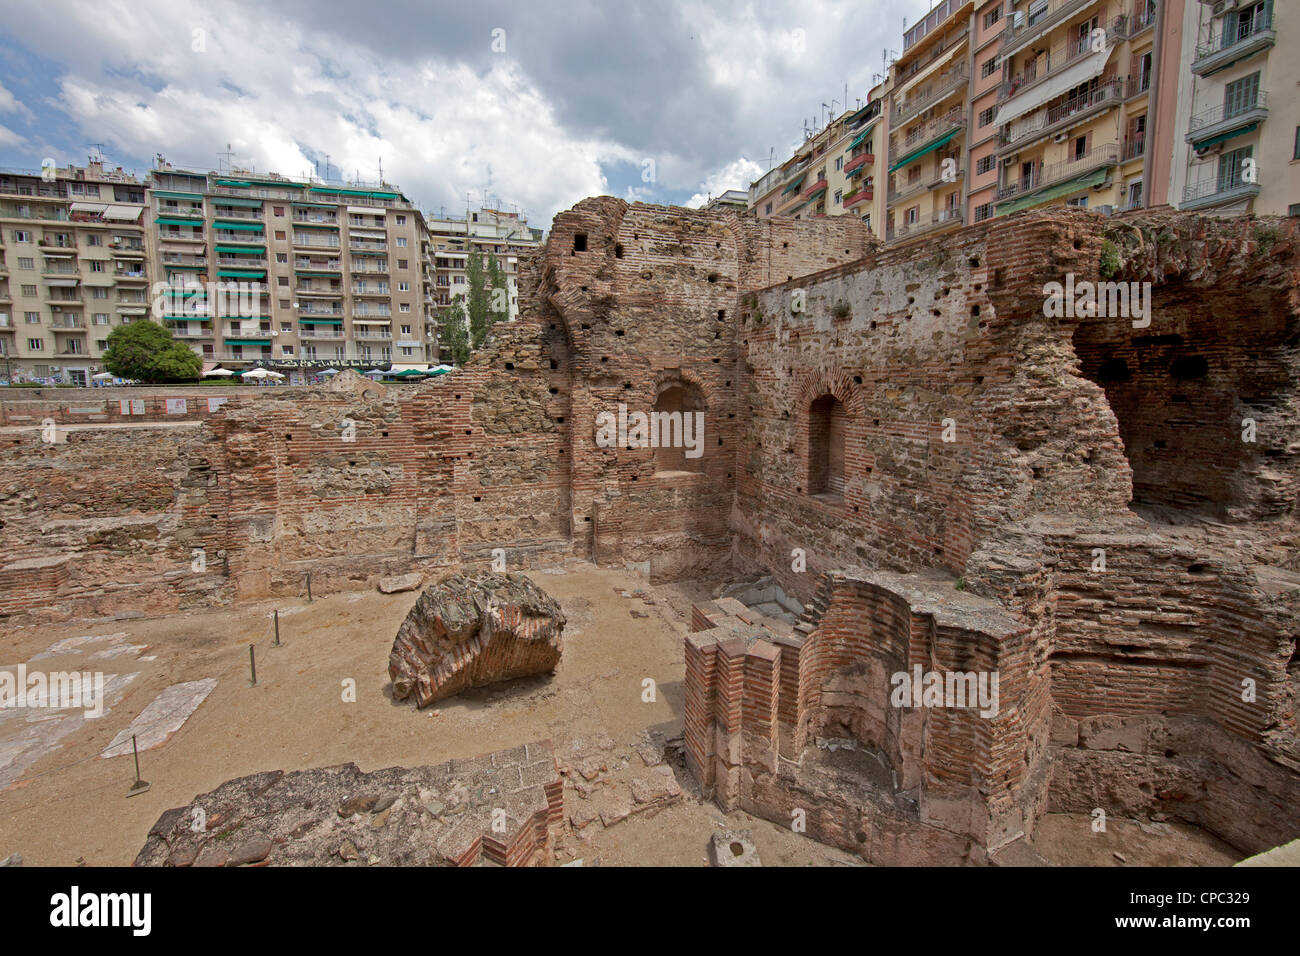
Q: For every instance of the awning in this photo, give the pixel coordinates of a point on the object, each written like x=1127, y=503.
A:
x=861, y=136
x=1224, y=137
x=918, y=153
x=316, y=225
x=360, y=234
x=928, y=70
x=316, y=205
x=311, y=320
x=396, y=369
x=366, y=210
x=169, y=195
x=91, y=207
x=164, y=221
x=62, y=283
x=242, y=250
x=233, y=201
x=1077, y=73
x=131, y=310
x=184, y=267
x=304, y=272
x=1086, y=181
x=248, y=341
x=240, y=226
x=793, y=185
x=240, y=274
x=387, y=321
x=120, y=213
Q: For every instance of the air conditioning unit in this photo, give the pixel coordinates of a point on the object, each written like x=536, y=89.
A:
x=1061, y=137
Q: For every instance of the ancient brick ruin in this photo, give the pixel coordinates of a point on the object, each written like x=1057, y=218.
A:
x=1101, y=511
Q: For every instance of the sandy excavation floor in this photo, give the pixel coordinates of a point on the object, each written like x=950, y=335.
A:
x=70, y=805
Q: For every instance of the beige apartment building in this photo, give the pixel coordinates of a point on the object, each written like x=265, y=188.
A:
x=1238, y=143
x=340, y=272
x=505, y=235
x=832, y=174
x=73, y=266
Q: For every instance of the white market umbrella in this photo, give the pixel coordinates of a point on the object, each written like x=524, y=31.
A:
x=102, y=377
x=329, y=371
x=258, y=373
x=270, y=374
x=217, y=373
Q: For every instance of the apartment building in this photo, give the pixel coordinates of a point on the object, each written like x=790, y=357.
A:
x=73, y=266
x=832, y=174
x=929, y=121
x=505, y=235
x=1238, y=135
x=341, y=271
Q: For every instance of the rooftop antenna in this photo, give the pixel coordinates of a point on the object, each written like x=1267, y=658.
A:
x=98, y=155
x=381, y=169
x=224, y=160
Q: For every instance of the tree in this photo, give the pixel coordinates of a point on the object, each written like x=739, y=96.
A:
x=499, y=291
x=146, y=352
x=477, y=301
x=452, y=334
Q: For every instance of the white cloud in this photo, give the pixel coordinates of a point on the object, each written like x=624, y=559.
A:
x=737, y=174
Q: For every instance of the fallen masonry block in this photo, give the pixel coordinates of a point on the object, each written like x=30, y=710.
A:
x=471, y=630
x=400, y=582
x=499, y=809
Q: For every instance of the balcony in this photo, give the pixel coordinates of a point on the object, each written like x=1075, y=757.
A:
x=379, y=335
x=195, y=235
x=239, y=235
x=366, y=245
x=1135, y=86
x=373, y=267
x=1057, y=60
x=68, y=324
x=1044, y=176
x=1144, y=16
x=1061, y=117
x=308, y=240
x=319, y=218
x=923, y=136
x=1219, y=191
x=52, y=270
x=314, y=308
x=319, y=289
x=937, y=220
x=241, y=262
x=185, y=331
x=893, y=196
x=362, y=288
x=819, y=186
x=858, y=162
x=130, y=275
x=365, y=311
x=1213, y=125
x=321, y=332
x=1252, y=35
x=235, y=212
x=1134, y=148
x=935, y=91
x=866, y=194
x=1040, y=20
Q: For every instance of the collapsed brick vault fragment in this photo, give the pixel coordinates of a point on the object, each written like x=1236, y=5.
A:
x=1105, y=514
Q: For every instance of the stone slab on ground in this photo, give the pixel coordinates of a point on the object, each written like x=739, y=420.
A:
x=165, y=715
x=460, y=813
x=729, y=848
x=400, y=582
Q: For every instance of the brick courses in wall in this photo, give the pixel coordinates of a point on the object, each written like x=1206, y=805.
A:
x=919, y=424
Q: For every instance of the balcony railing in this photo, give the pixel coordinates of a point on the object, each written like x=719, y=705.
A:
x=66, y=324
x=1219, y=190
x=1249, y=35
x=1144, y=15
x=1101, y=156
x=315, y=241
x=1239, y=112
x=376, y=267
x=937, y=219
x=936, y=90
x=372, y=334
x=1037, y=21
x=322, y=218
x=922, y=135
x=311, y=309
x=375, y=310
x=1058, y=59
x=362, y=288
x=235, y=212
x=862, y=195
x=366, y=245
x=1134, y=148
x=1071, y=111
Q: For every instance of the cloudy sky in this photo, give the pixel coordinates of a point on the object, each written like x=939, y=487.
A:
x=533, y=103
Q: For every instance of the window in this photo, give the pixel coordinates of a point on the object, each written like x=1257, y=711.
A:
x=101, y=344
x=989, y=66
x=993, y=16
x=1295, y=149
x=286, y=326
x=284, y=303
x=912, y=216
x=280, y=234
x=96, y=265
x=35, y=345
x=22, y=235
x=579, y=240
x=403, y=287
x=913, y=174
x=282, y=280
x=101, y=318
x=1079, y=202
x=404, y=307
x=32, y=318
x=839, y=196
x=401, y=220
x=401, y=242
x=984, y=164
x=1080, y=147
x=25, y=263
x=1144, y=73
x=826, y=426
x=92, y=239
x=984, y=211
x=986, y=116
x=1240, y=96
x=402, y=263
x=1232, y=168
x=98, y=293
x=278, y=210
x=29, y=290
x=675, y=420
x=286, y=350
x=839, y=163
x=767, y=210
x=1293, y=209
x=281, y=257
x=1135, y=194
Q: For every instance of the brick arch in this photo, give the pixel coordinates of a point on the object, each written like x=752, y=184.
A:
x=675, y=377
x=839, y=385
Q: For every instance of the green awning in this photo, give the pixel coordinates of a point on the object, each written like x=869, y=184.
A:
x=1224, y=137
x=315, y=205
x=239, y=183
x=794, y=185
x=819, y=192
x=194, y=290
x=363, y=252
x=232, y=201
x=176, y=265
x=248, y=341
x=167, y=195
x=164, y=221
x=1086, y=181
x=918, y=153
x=240, y=274
x=242, y=250
x=305, y=272
x=242, y=226
x=861, y=136
x=304, y=320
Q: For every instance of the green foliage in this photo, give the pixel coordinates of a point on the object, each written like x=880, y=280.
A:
x=498, y=291
x=146, y=351
x=452, y=332
x=477, y=300
x=1266, y=237
x=961, y=584
x=841, y=310
x=1109, y=265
